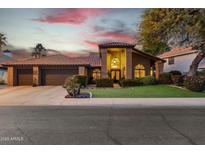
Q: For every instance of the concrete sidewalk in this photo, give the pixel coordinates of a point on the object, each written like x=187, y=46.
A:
x=136, y=102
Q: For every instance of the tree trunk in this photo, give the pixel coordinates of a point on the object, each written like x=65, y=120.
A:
x=195, y=64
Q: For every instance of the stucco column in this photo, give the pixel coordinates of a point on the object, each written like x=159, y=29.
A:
x=11, y=77
x=104, y=63
x=129, y=68
x=82, y=70
x=36, y=76
x=159, y=65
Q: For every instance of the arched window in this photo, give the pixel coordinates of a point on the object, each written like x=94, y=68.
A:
x=115, y=63
x=96, y=74
x=139, y=71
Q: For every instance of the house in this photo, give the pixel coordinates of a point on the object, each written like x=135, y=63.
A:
x=116, y=60
x=180, y=59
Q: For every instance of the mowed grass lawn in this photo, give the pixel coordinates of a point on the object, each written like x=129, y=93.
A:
x=153, y=91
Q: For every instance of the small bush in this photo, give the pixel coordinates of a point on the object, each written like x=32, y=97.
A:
x=177, y=80
x=104, y=82
x=165, y=78
x=81, y=79
x=195, y=83
x=148, y=80
x=71, y=86
x=175, y=72
x=130, y=82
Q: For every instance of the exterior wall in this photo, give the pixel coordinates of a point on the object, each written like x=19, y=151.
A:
x=159, y=65
x=181, y=63
x=104, y=63
x=129, y=68
x=138, y=59
x=12, y=77
x=36, y=76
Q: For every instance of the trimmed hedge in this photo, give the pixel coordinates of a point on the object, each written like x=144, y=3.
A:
x=81, y=79
x=148, y=80
x=175, y=72
x=165, y=78
x=104, y=82
x=130, y=82
x=195, y=83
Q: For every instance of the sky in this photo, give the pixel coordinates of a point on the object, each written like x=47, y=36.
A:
x=69, y=30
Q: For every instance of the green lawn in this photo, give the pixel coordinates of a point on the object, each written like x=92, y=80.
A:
x=154, y=91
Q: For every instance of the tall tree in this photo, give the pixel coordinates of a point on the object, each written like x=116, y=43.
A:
x=39, y=51
x=2, y=41
x=162, y=29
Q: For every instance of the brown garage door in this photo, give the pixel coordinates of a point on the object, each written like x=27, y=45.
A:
x=56, y=76
x=24, y=77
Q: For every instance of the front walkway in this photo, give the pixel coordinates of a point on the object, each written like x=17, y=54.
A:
x=54, y=95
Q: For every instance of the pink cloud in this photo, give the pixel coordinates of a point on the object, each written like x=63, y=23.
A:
x=71, y=16
x=91, y=43
x=116, y=36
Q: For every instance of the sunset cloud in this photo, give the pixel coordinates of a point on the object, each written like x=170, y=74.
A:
x=71, y=16
x=91, y=43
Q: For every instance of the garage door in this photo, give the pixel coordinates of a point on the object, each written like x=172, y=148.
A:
x=56, y=76
x=24, y=77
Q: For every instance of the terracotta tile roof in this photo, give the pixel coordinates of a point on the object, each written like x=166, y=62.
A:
x=57, y=59
x=115, y=45
x=147, y=55
x=93, y=60
x=5, y=58
x=177, y=52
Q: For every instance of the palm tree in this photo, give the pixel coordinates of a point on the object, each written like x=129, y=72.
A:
x=2, y=41
x=39, y=51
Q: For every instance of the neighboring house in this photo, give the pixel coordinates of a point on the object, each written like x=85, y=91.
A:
x=180, y=59
x=4, y=57
x=120, y=60
x=8, y=56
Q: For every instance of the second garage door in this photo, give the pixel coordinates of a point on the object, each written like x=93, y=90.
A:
x=24, y=77
x=56, y=76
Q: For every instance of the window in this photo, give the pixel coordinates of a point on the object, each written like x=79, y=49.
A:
x=171, y=61
x=151, y=71
x=115, y=63
x=139, y=71
x=96, y=74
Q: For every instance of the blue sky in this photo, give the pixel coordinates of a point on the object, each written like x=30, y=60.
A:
x=71, y=30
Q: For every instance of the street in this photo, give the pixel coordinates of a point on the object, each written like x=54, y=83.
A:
x=101, y=125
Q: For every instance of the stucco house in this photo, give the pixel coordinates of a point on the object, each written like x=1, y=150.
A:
x=116, y=60
x=180, y=59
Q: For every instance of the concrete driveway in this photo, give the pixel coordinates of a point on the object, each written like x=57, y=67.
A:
x=55, y=96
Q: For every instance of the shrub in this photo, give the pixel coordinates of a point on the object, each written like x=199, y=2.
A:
x=1, y=81
x=201, y=73
x=105, y=82
x=165, y=78
x=130, y=82
x=148, y=80
x=175, y=72
x=81, y=79
x=177, y=80
x=72, y=87
x=195, y=83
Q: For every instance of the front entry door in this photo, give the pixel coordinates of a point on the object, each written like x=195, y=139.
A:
x=115, y=75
